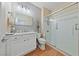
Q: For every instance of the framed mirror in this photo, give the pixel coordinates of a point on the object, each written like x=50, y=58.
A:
x=22, y=19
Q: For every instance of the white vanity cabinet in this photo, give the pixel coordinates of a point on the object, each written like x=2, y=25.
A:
x=21, y=44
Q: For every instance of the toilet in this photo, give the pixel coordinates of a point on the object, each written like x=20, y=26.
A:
x=42, y=42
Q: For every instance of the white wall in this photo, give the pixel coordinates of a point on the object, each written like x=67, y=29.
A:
x=2, y=29
x=0, y=12
x=2, y=20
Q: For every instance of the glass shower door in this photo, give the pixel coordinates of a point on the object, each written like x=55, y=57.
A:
x=47, y=29
x=52, y=25
x=50, y=33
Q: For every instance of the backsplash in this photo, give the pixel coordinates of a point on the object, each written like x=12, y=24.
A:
x=23, y=28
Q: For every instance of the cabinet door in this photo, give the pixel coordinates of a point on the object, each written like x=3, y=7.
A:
x=29, y=42
x=17, y=46
x=9, y=45
x=14, y=45
x=2, y=49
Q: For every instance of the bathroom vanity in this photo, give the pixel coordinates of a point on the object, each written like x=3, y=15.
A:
x=19, y=43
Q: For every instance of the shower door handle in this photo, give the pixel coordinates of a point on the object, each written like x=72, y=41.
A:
x=47, y=30
x=76, y=27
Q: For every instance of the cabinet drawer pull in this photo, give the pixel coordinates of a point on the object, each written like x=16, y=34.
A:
x=4, y=40
x=24, y=40
x=15, y=38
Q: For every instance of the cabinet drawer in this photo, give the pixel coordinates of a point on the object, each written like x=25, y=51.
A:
x=29, y=37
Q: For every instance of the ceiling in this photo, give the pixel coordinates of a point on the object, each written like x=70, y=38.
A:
x=50, y=5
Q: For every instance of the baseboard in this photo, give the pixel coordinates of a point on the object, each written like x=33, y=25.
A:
x=64, y=53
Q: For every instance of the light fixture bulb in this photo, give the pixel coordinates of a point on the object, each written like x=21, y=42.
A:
x=28, y=12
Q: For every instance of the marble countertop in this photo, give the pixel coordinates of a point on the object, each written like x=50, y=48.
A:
x=20, y=33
